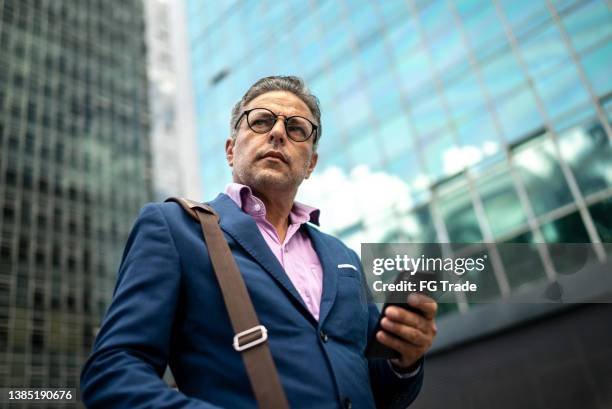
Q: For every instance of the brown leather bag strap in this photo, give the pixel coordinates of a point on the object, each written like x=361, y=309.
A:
x=251, y=337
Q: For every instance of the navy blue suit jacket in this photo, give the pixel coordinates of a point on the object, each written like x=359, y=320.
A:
x=167, y=308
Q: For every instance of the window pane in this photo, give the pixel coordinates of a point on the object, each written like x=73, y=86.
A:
x=366, y=151
x=415, y=226
x=441, y=155
x=447, y=49
x=537, y=163
x=544, y=50
x=500, y=200
x=521, y=269
x=480, y=17
x=403, y=38
x=464, y=95
x=561, y=89
x=597, y=66
x=428, y=115
x=414, y=73
x=477, y=134
x=568, y=229
x=588, y=151
x=455, y=206
x=521, y=12
x=502, y=74
x=519, y=115
x=601, y=213
x=589, y=24
x=396, y=135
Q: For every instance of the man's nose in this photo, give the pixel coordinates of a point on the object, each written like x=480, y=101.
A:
x=278, y=133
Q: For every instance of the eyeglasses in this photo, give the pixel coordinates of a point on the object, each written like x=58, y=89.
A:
x=262, y=120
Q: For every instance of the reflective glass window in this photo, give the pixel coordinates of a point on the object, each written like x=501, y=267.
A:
x=354, y=110
x=435, y=17
x=366, y=150
x=567, y=229
x=414, y=72
x=561, y=89
x=543, y=50
x=597, y=65
x=384, y=94
x=345, y=74
x=601, y=212
x=518, y=13
x=406, y=166
x=455, y=206
x=518, y=114
x=392, y=11
x=361, y=18
x=588, y=151
x=523, y=268
x=442, y=156
x=478, y=137
x=396, y=134
x=589, y=24
x=373, y=59
x=403, y=37
x=500, y=200
x=464, y=95
x=446, y=49
x=480, y=17
x=419, y=225
x=428, y=114
x=502, y=73
x=538, y=165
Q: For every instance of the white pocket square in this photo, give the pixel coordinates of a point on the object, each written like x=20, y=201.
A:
x=347, y=266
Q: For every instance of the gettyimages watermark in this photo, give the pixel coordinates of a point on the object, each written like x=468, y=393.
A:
x=489, y=272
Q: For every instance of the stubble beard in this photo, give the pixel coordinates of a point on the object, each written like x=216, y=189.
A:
x=268, y=180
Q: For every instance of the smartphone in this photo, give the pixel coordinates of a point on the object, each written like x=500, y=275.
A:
x=377, y=350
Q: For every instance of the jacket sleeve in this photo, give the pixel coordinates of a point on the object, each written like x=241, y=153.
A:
x=131, y=349
x=389, y=390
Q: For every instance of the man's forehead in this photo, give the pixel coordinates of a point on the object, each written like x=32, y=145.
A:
x=281, y=102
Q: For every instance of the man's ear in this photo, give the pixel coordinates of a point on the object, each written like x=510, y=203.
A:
x=229, y=150
x=313, y=162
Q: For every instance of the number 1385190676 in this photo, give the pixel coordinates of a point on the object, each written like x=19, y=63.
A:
x=36, y=394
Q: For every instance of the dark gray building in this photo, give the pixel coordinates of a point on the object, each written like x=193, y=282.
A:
x=74, y=170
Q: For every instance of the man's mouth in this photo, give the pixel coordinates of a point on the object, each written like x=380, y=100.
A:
x=276, y=155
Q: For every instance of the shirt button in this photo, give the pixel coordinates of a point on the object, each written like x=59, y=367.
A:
x=324, y=336
x=347, y=403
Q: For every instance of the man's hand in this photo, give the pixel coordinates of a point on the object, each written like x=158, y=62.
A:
x=413, y=333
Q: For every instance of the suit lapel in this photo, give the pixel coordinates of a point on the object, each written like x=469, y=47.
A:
x=244, y=230
x=330, y=277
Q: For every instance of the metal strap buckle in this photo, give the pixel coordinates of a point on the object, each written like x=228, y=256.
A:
x=262, y=338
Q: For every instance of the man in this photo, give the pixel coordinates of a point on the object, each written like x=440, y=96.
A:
x=306, y=286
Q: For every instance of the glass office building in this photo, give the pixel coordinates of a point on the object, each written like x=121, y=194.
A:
x=452, y=122
x=74, y=171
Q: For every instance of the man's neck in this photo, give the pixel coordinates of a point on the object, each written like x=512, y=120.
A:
x=278, y=207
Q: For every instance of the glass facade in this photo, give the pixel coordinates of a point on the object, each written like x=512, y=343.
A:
x=453, y=122
x=74, y=170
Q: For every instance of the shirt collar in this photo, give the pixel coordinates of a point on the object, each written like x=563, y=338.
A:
x=243, y=196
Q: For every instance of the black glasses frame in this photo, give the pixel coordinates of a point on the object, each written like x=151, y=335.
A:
x=285, y=121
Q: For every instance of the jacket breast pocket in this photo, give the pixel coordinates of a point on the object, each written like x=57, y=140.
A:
x=349, y=315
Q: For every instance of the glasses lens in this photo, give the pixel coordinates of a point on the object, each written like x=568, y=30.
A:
x=299, y=129
x=261, y=120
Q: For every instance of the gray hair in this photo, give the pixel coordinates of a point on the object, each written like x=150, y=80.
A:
x=290, y=83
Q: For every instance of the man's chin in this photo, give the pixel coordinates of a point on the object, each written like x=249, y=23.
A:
x=270, y=179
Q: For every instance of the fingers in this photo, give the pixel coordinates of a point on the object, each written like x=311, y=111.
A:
x=406, y=333
x=425, y=304
x=406, y=317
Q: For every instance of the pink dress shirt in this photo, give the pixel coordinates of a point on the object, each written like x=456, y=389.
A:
x=295, y=254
